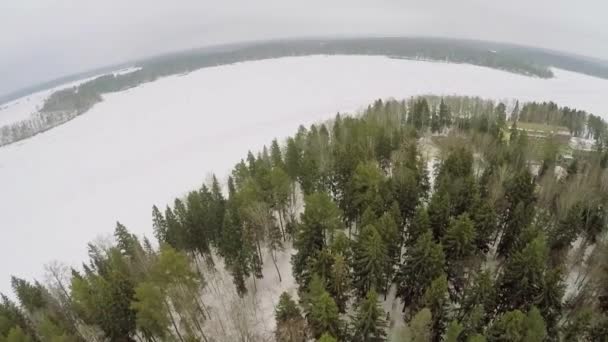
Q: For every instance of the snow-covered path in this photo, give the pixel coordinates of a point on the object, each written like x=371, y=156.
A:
x=147, y=145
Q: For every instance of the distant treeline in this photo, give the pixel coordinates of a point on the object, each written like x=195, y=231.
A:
x=71, y=102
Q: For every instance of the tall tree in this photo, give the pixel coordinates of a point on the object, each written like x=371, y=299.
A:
x=422, y=263
x=368, y=324
x=319, y=221
x=370, y=260
x=291, y=326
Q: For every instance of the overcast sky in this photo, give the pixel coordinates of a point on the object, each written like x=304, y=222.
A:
x=45, y=39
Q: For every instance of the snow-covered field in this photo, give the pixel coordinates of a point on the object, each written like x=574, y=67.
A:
x=146, y=145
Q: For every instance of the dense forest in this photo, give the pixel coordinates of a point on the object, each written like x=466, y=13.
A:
x=66, y=104
x=494, y=236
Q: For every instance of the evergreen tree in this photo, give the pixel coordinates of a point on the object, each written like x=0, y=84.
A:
x=459, y=247
x=423, y=263
x=453, y=332
x=436, y=300
x=435, y=122
x=519, y=194
x=421, y=326
x=485, y=222
x=420, y=225
x=159, y=225
x=366, y=186
x=370, y=260
x=518, y=327
x=16, y=334
x=103, y=295
x=521, y=282
x=324, y=316
x=327, y=338
x=290, y=323
x=439, y=214
x=445, y=116
x=319, y=221
x=276, y=155
x=293, y=159
x=368, y=324
x=340, y=282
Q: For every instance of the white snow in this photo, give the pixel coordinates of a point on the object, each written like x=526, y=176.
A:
x=232, y=316
x=146, y=145
x=582, y=144
x=126, y=71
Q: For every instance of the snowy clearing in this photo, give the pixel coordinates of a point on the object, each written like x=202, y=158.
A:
x=149, y=144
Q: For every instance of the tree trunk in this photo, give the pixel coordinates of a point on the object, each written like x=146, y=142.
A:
x=274, y=261
x=200, y=329
x=281, y=224
x=173, y=320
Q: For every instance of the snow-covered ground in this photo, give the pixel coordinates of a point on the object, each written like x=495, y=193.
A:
x=146, y=145
x=126, y=71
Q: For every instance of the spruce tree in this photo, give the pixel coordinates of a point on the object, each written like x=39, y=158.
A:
x=324, y=316
x=445, y=116
x=319, y=221
x=453, y=332
x=436, y=299
x=368, y=324
x=422, y=263
x=439, y=213
x=420, y=225
x=340, y=282
x=370, y=260
x=521, y=282
x=421, y=326
x=290, y=323
x=459, y=247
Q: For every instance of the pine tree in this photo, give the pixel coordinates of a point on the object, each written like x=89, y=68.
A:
x=519, y=194
x=436, y=300
x=290, y=323
x=485, y=222
x=439, y=213
x=392, y=238
x=445, y=116
x=276, y=155
x=421, y=326
x=453, y=332
x=366, y=184
x=324, y=316
x=368, y=324
x=152, y=315
x=459, y=247
x=16, y=334
x=536, y=330
x=422, y=263
x=104, y=294
x=159, y=225
x=321, y=218
x=518, y=327
x=420, y=225
x=458, y=242
x=521, y=282
x=370, y=260
x=340, y=282
x=435, y=122
x=293, y=159
x=479, y=296
x=327, y=338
